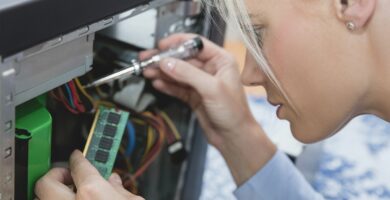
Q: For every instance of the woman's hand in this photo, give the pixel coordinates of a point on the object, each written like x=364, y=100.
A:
x=211, y=85
x=89, y=183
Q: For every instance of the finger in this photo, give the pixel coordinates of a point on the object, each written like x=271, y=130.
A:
x=116, y=182
x=82, y=170
x=147, y=54
x=196, y=63
x=54, y=185
x=209, y=51
x=185, y=73
x=61, y=175
x=156, y=73
x=182, y=93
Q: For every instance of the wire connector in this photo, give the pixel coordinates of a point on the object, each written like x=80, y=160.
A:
x=177, y=151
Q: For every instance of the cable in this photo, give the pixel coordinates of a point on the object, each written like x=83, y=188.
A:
x=70, y=96
x=89, y=97
x=155, y=151
x=105, y=103
x=127, y=161
x=99, y=91
x=168, y=132
x=150, y=139
x=65, y=103
x=76, y=97
x=171, y=125
x=157, y=124
x=53, y=95
x=139, y=121
x=131, y=137
x=150, y=142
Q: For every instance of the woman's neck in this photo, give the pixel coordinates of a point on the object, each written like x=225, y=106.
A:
x=379, y=31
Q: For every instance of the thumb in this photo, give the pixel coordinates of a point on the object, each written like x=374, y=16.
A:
x=82, y=171
x=186, y=73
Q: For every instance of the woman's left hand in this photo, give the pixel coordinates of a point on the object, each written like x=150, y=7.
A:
x=89, y=183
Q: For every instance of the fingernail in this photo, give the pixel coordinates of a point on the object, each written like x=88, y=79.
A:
x=169, y=64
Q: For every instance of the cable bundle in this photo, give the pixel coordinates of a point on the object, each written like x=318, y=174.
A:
x=137, y=157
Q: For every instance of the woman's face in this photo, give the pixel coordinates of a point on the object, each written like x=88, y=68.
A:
x=317, y=62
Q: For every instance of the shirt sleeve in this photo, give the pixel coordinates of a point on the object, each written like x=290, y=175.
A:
x=278, y=179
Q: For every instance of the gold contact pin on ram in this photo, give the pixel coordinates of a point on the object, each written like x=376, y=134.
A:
x=90, y=135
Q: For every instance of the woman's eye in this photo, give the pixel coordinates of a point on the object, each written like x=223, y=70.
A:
x=259, y=34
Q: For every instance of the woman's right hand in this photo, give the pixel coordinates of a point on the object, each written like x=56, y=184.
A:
x=211, y=85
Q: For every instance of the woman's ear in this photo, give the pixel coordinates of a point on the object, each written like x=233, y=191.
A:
x=355, y=14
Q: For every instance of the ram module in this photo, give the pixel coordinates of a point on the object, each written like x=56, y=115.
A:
x=105, y=138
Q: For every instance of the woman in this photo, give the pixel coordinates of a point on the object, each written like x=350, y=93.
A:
x=321, y=62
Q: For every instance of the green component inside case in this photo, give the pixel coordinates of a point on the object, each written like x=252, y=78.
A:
x=32, y=146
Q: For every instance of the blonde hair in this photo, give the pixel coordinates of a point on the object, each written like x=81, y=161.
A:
x=236, y=14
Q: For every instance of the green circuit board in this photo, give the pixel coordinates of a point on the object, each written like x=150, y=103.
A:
x=105, y=138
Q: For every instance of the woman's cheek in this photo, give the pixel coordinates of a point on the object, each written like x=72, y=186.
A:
x=292, y=53
x=286, y=50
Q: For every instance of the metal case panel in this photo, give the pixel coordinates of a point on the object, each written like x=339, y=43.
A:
x=42, y=72
x=29, y=22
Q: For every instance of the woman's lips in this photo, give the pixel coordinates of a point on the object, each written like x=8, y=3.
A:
x=279, y=107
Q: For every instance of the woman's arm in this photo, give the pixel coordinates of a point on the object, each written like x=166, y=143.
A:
x=246, y=151
x=261, y=171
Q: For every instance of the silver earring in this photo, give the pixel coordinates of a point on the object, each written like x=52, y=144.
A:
x=351, y=26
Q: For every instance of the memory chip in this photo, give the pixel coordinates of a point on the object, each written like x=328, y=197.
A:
x=113, y=118
x=101, y=156
x=105, y=143
x=109, y=130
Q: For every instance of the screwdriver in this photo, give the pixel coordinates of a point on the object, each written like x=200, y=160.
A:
x=186, y=50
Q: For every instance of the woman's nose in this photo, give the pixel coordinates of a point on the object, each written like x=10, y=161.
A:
x=252, y=75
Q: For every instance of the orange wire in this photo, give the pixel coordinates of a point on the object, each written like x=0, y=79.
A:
x=155, y=150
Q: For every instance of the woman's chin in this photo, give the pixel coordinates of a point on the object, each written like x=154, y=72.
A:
x=306, y=136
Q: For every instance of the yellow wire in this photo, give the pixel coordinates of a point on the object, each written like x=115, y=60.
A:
x=100, y=92
x=97, y=88
x=150, y=139
x=85, y=93
x=170, y=124
x=149, y=114
x=149, y=143
x=138, y=121
x=105, y=103
x=94, y=102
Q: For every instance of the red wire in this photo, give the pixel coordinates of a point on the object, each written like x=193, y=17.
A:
x=76, y=98
x=65, y=103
